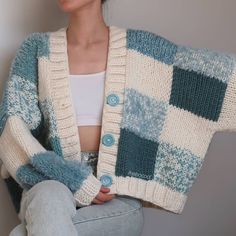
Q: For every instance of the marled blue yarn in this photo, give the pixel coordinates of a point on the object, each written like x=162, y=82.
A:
x=139, y=116
x=219, y=65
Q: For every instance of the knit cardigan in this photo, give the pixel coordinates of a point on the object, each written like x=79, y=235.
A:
x=163, y=103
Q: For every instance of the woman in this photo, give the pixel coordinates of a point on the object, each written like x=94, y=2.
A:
x=163, y=104
x=41, y=210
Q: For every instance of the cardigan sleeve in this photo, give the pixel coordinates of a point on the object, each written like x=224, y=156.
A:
x=21, y=121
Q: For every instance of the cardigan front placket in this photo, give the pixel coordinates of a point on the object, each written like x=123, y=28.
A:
x=60, y=94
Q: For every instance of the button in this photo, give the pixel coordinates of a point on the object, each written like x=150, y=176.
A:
x=113, y=99
x=106, y=180
x=108, y=140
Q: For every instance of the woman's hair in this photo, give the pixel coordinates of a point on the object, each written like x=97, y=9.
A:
x=103, y=1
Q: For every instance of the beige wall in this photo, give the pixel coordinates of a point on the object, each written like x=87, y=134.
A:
x=211, y=207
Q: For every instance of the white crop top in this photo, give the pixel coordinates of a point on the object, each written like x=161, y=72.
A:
x=88, y=97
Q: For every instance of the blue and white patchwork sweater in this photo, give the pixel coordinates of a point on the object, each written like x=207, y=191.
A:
x=163, y=103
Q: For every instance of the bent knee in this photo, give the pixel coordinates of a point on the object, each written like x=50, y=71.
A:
x=50, y=189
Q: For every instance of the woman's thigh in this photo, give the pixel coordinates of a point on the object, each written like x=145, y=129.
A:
x=19, y=230
x=121, y=216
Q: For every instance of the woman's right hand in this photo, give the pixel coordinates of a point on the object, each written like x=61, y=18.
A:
x=102, y=196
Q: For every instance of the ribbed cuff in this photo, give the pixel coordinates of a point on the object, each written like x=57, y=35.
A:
x=88, y=191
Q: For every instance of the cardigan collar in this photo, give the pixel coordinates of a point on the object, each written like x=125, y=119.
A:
x=60, y=93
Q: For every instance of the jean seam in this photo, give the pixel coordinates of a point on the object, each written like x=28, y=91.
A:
x=108, y=216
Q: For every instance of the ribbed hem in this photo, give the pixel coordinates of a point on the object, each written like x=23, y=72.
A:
x=88, y=191
x=150, y=191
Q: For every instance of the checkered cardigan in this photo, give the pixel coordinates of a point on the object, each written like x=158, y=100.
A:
x=162, y=105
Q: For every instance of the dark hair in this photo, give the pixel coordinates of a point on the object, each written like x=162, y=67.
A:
x=103, y=1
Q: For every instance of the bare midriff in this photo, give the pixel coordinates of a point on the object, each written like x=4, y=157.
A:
x=89, y=137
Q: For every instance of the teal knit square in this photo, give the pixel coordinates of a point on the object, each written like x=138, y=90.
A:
x=135, y=156
x=197, y=93
x=151, y=45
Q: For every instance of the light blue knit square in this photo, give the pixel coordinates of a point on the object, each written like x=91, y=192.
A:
x=143, y=115
x=50, y=121
x=211, y=63
x=176, y=168
x=20, y=95
x=20, y=98
x=50, y=124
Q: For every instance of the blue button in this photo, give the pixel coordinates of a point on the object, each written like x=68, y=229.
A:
x=106, y=180
x=108, y=140
x=112, y=99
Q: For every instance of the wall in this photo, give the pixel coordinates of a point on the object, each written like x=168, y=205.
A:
x=210, y=209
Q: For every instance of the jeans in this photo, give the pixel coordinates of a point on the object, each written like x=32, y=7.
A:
x=49, y=208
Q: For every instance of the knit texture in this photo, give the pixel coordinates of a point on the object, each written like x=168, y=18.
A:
x=29, y=143
x=172, y=99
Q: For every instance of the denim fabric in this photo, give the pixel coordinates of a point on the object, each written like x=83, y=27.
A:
x=49, y=208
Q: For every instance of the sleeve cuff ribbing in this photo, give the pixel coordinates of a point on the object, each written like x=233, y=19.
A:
x=88, y=191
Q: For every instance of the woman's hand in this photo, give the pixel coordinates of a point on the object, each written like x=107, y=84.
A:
x=102, y=196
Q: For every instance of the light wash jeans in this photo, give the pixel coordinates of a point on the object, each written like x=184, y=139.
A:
x=49, y=209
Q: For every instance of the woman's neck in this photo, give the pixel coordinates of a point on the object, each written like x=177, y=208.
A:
x=87, y=26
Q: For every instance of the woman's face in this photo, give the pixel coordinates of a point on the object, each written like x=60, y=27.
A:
x=73, y=5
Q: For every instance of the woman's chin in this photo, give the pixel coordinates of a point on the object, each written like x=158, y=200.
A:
x=68, y=7
x=72, y=6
